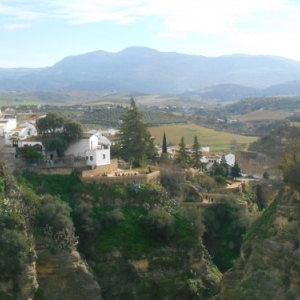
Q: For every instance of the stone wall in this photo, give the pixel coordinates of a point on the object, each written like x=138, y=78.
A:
x=54, y=171
x=100, y=170
x=142, y=178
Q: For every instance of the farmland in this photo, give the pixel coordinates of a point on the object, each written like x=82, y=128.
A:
x=266, y=114
x=111, y=117
x=217, y=140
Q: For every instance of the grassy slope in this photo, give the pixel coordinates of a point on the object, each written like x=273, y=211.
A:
x=216, y=140
x=261, y=115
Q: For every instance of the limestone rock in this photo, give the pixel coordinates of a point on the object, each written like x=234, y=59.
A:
x=64, y=275
x=269, y=267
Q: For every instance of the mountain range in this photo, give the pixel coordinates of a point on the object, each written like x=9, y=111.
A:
x=140, y=69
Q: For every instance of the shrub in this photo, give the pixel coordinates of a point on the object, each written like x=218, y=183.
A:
x=54, y=213
x=195, y=218
x=220, y=180
x=220, y=170
x=159, y=224
x=113, y=217
x=291, y=176
x=31, y=153
x=14, y=252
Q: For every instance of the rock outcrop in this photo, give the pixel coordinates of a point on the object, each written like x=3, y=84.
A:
x=166, y=273
x=64, y=275
x=269, y=266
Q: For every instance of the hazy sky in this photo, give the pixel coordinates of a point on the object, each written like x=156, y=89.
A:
x=38, y=33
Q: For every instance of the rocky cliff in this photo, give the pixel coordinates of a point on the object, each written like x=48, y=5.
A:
x=64, y=275
x=165, y=273
x=269, y=266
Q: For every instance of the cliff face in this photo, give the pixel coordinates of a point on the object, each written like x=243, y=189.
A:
x=63, y=275
x=166, y=273
x=269, y=266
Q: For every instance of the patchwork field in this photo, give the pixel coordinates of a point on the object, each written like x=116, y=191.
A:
x=216, y=140
x=94, y=98
x=261, y=115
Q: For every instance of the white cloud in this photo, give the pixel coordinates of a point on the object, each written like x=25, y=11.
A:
x=14, y=26
x=244, y=20
x=179, y=17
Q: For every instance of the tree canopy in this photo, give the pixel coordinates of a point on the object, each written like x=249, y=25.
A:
x=164, y=144
x=50, y=124
x=196, y=156
x=182, y=156
x=58, y=132
x=236, y=170
x=135, y=139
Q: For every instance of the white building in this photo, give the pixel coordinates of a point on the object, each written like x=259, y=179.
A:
x=23, y=131
x=108, y=132
x=7, y=124
x=216, y=158
x=96, y=150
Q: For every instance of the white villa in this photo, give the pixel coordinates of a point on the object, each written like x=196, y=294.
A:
x=95, y=149
x=7, y=123
x=210, y=159
x=22, y=132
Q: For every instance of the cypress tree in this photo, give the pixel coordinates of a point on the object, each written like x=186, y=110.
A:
x=182, y=156
x=196, y=153
x=164, y=144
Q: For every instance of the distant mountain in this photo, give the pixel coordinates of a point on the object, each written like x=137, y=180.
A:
x=14, y=73
x=140, y=69
x=286, y=88
x=225, y=92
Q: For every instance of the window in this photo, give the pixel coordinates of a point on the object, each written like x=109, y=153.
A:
x=87, y=158
x=91, y=157
x=103, y=156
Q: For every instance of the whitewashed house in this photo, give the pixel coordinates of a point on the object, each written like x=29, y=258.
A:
x=210, y=159
x=7, y=124
x=20, y=133
x=95, y=149
x=23, y=131
x=230, y=159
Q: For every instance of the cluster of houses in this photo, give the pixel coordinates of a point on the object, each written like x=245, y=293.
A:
x=19, y=131
x=208, y=158
x=94, y=145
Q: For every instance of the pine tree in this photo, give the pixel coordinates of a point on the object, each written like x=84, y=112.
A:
x=196, y=153
x=164, y=144
x=182, y=156
x=224, y=164
x=223, y=160
x=135, y=139
x=236, y=170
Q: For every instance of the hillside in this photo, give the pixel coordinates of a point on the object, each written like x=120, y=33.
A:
x=269, y=264
x=225, y=92
x=140, y=69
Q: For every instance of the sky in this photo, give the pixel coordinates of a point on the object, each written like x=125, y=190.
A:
x=39, y=33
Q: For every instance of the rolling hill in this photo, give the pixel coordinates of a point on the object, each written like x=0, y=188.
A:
x=140, y=69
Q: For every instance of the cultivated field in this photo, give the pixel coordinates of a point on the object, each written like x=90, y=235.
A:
x=94, y=98
x=216, y=140
x=261, y=115
x=111, y=117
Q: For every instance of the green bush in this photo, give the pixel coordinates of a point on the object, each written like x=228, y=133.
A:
x=221, y=180
x=113, y=217
x=14, y=252
x=159, y=224
x=291, y=176
x=31, y=153
x=195, y=218
x=226, y=224
x=54, y=213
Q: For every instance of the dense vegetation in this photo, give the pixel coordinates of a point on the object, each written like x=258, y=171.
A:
x=58, y=132
x=264, y=103
x=111, y=117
